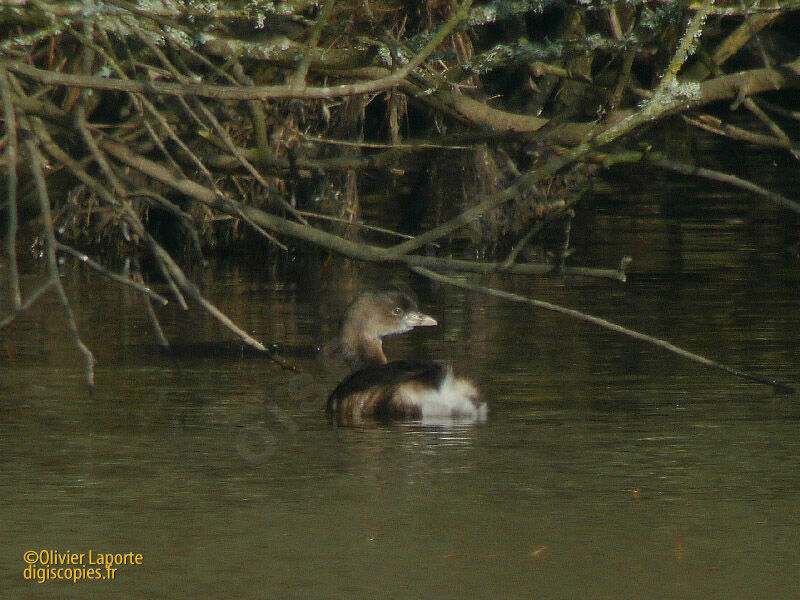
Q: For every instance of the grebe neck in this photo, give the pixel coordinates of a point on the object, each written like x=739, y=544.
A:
x=362, y=352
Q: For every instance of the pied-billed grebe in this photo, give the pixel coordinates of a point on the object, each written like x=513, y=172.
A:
x=402, y=389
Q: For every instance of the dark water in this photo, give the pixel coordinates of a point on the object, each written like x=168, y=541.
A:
x=607, y=468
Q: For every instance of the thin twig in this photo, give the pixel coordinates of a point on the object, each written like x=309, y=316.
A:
x=29, y=301
x=359, y=251
x=85, y=259
x=50, y=249
x=298, y=78
x=358, y=224
x=780, y=110
x=563, y=250
x=728, y=179
x=175, y=72
x=151, y=313
x=165, y=125
x=99, y=157
x=541, y=224
x=11, y=157
x=686, y=47
x=408, y=145
x=663, y=344
x=717, y=127
x=247, y=93
x=245, y=163
x=759, y=114
x=659, y=160
x=762, y=50
x=190, y=289
x=257, y=114
x=166, y=273
x=223, y=134
x=176, y=212
x=137, y=102
x=55, y=151
x=781, y=138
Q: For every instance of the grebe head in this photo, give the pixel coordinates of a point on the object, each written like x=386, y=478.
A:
x=378, y=314
x=372, y=316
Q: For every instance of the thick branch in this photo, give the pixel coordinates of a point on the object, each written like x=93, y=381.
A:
x=262, y=92
x=358, y=251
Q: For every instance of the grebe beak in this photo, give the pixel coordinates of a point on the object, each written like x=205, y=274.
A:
x=417, y=319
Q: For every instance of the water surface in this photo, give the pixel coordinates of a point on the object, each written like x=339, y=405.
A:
x=607, y=468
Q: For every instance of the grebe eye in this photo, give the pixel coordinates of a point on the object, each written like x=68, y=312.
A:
x=397, y=310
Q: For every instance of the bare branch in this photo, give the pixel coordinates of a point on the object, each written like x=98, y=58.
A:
x=324, y=239
x=238, y=92
x=51, y=244
x=686, y=47
x=85, y=259
x=659, y=160
x=30, y=300
x=298, y=78
x=575, y=314
x=190, y=289
x=11, y=157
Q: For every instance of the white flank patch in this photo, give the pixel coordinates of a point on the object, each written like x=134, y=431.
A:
x=456, y=398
